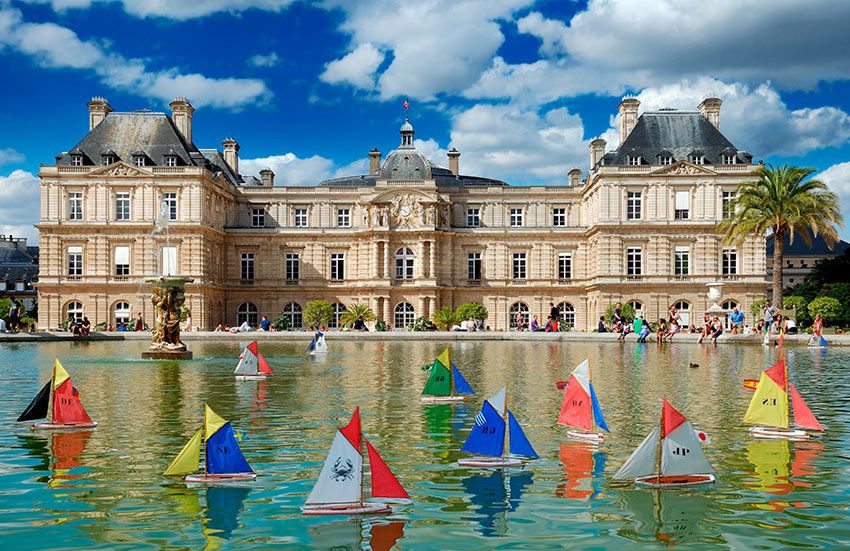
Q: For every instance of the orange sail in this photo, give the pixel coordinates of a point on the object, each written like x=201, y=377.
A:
x=384, y=482
x=67, y=407
x=264, y=365
x=803, y=416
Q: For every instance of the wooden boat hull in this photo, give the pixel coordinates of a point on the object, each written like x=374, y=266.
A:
x=656, y=481
x=63, y=426
x=492, y=462
x=258, y=377
x=586, y=436
x=779, y=434
x=442, y=399
x=365, y=508
x=219, y=478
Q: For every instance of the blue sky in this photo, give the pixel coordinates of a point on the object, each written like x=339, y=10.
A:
x=519, y=87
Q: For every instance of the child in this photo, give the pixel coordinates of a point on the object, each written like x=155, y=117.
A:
x=662, y=330
x=644, y=332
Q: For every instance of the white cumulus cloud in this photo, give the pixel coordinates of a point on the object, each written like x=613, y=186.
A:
x=19, y=204
x=291, y=169
x=357, y=68
x=9, y=156
x=173, y=9
x=268, y=60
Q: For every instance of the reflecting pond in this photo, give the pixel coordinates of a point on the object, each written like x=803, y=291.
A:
x=104, y=488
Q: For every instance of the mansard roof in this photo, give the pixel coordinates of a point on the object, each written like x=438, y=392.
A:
x=442, y=177
x=799, y=247
x=677, y=132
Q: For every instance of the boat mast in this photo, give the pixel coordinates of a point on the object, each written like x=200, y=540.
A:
x=362, y=469
x=787, y=397
x=589, y=384
x=660, y=444
x=507, y=426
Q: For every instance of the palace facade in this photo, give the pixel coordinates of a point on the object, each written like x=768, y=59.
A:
x=137, y=199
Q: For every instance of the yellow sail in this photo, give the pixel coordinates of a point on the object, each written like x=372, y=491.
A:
x=769, y=405
x=445, y=358
x=186, y=461
x=59, y=374
x=212, y=422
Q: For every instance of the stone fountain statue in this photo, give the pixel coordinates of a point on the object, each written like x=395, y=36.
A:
x=168, y=298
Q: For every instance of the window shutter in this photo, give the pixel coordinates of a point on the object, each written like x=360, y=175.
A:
x=683, y=200
x=122, y=255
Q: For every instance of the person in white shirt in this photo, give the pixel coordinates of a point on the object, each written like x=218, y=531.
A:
x=2, y=325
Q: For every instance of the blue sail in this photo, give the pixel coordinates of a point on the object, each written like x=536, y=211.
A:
x=461, y=386
x=311, y=346
x=823, y=341
x=519, y=443
x=488, y=433
x=597, y=411
x=223, y=453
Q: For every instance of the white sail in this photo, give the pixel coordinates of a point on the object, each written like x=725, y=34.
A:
x=681, y=453
x=642, y=461
x=247, y=363
x=321, y=345
x=582, y=375
x=498, y=401
x=340, y=480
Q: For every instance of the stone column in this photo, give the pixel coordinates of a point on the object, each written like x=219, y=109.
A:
x=419, y=264
x=388, y=311
x=388, y=256
x=432, y=263
x=375, y=246
x=423, y=306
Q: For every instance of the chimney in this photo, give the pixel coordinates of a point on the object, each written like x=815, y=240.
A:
x=628, y=109
x=574, y=176
x=597, y=151
x=454, y=161
x=98, y=109
x=267, y=177
x=181, y=114
x=231, y=154
x=374, y=161
x=710, y=109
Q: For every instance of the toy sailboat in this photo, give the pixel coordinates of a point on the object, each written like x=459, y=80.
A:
x=439, y=385
x=580, y=408
x=769, y=406
x=67, y=411
x=487, y=437
x=671, y=455
x=318, y=344
x=223, y=460
x=339, y=490
x=252, y=364
x=817, y=341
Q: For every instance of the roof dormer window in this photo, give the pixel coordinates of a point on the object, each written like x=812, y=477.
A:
x=108, y=159
x=138, y=160
x=729, y=159
x=171, y=160
x=696, y=158
x=634, y=160
x=76, y=160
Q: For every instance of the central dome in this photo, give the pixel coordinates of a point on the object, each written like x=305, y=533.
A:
x=406, y=164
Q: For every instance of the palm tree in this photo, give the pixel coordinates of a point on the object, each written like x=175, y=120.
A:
x=444, y=318
x=355, y=311
x=783, y=202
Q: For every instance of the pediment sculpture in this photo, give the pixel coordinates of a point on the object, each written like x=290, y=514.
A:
x=119, y=169
x=683, y=168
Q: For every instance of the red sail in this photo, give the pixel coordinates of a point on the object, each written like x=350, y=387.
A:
x=264, y=365
x=777, y=373
x=384, y=482
x=670, y=419
x=803, y=416
x=67, y=407
x=576, y=409
x=352, y=430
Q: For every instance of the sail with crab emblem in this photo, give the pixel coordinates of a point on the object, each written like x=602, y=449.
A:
x=341, y=478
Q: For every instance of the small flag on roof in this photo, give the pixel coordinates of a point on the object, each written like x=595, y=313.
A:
x=406, y=104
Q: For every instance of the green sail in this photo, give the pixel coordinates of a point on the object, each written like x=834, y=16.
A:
x=440, y=381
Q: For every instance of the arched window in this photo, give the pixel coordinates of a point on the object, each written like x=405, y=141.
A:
x=568, y=314
x=404, y=263
x=637, y=305
x=121, y=313
x=513, y=314
x=246, y=312
x=405, y=315
x=292, y=311
x=684, y=309
x=339, y=310
x=74, y=310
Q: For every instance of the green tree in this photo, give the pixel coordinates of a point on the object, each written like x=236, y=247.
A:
x=783, y=201
x=627, y=312
x=420, y=324
x=829, y=308
x=841, y=293
x=5, y=304
x=472, y=310
x=757, y=309
x=355, y=311
x=444, y=318
x=805, y=289
x=801, y=305
x=318, y=313
x=380, y=325
x=281, y=323
x=830, y=270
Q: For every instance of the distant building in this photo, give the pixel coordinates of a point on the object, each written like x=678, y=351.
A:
x=800, y=258
x=406, y=238
x=18, y=270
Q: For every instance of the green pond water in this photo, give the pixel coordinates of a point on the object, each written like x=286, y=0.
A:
x=105, y=489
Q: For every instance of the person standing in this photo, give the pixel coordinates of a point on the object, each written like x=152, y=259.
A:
x=140, y=323
x=553, y=311
x=618, y=314
x=768, y=316
x=14, y=316
x=817, y=329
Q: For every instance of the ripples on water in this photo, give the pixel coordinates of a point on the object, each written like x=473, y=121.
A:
x=105, y=488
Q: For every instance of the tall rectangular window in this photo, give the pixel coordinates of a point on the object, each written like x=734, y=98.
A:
x=516, y=218
x=730, y=262
x=343, y=218
x=122, y=205
x=122, y=261
x=726, y=204
x=520, y=264
x=559, y=217
x=634, y=204
x=258, y=218
x=473, y=266
x=170, y=199
x=683, y=205
x=634, y=261
x=169, y=261
x=75, y=261
x=682, y=261
x=170, y=160
x=247, y=267
x=293, y=266
x=300, y=217
x=75, y=205
x=565, y=265
x=337, y=266
x=473, y=217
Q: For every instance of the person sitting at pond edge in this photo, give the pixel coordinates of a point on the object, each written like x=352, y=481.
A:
x=265, y=324
x=600, y=327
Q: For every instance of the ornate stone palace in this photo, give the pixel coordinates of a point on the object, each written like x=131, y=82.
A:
x=136, y=198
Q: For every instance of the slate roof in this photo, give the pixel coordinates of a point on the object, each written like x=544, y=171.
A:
x=678, y=132
x=442, y=176
x=800, y=248
x=17, y=265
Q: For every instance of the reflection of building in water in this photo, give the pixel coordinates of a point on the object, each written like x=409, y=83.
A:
x=669, y=516
x=377, y=534
x=493, y=497
x=584, y=469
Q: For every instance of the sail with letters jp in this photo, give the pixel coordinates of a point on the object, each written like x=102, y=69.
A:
x=445, y=381
x=580, y=408
x=67, y=411
x=769, y=407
